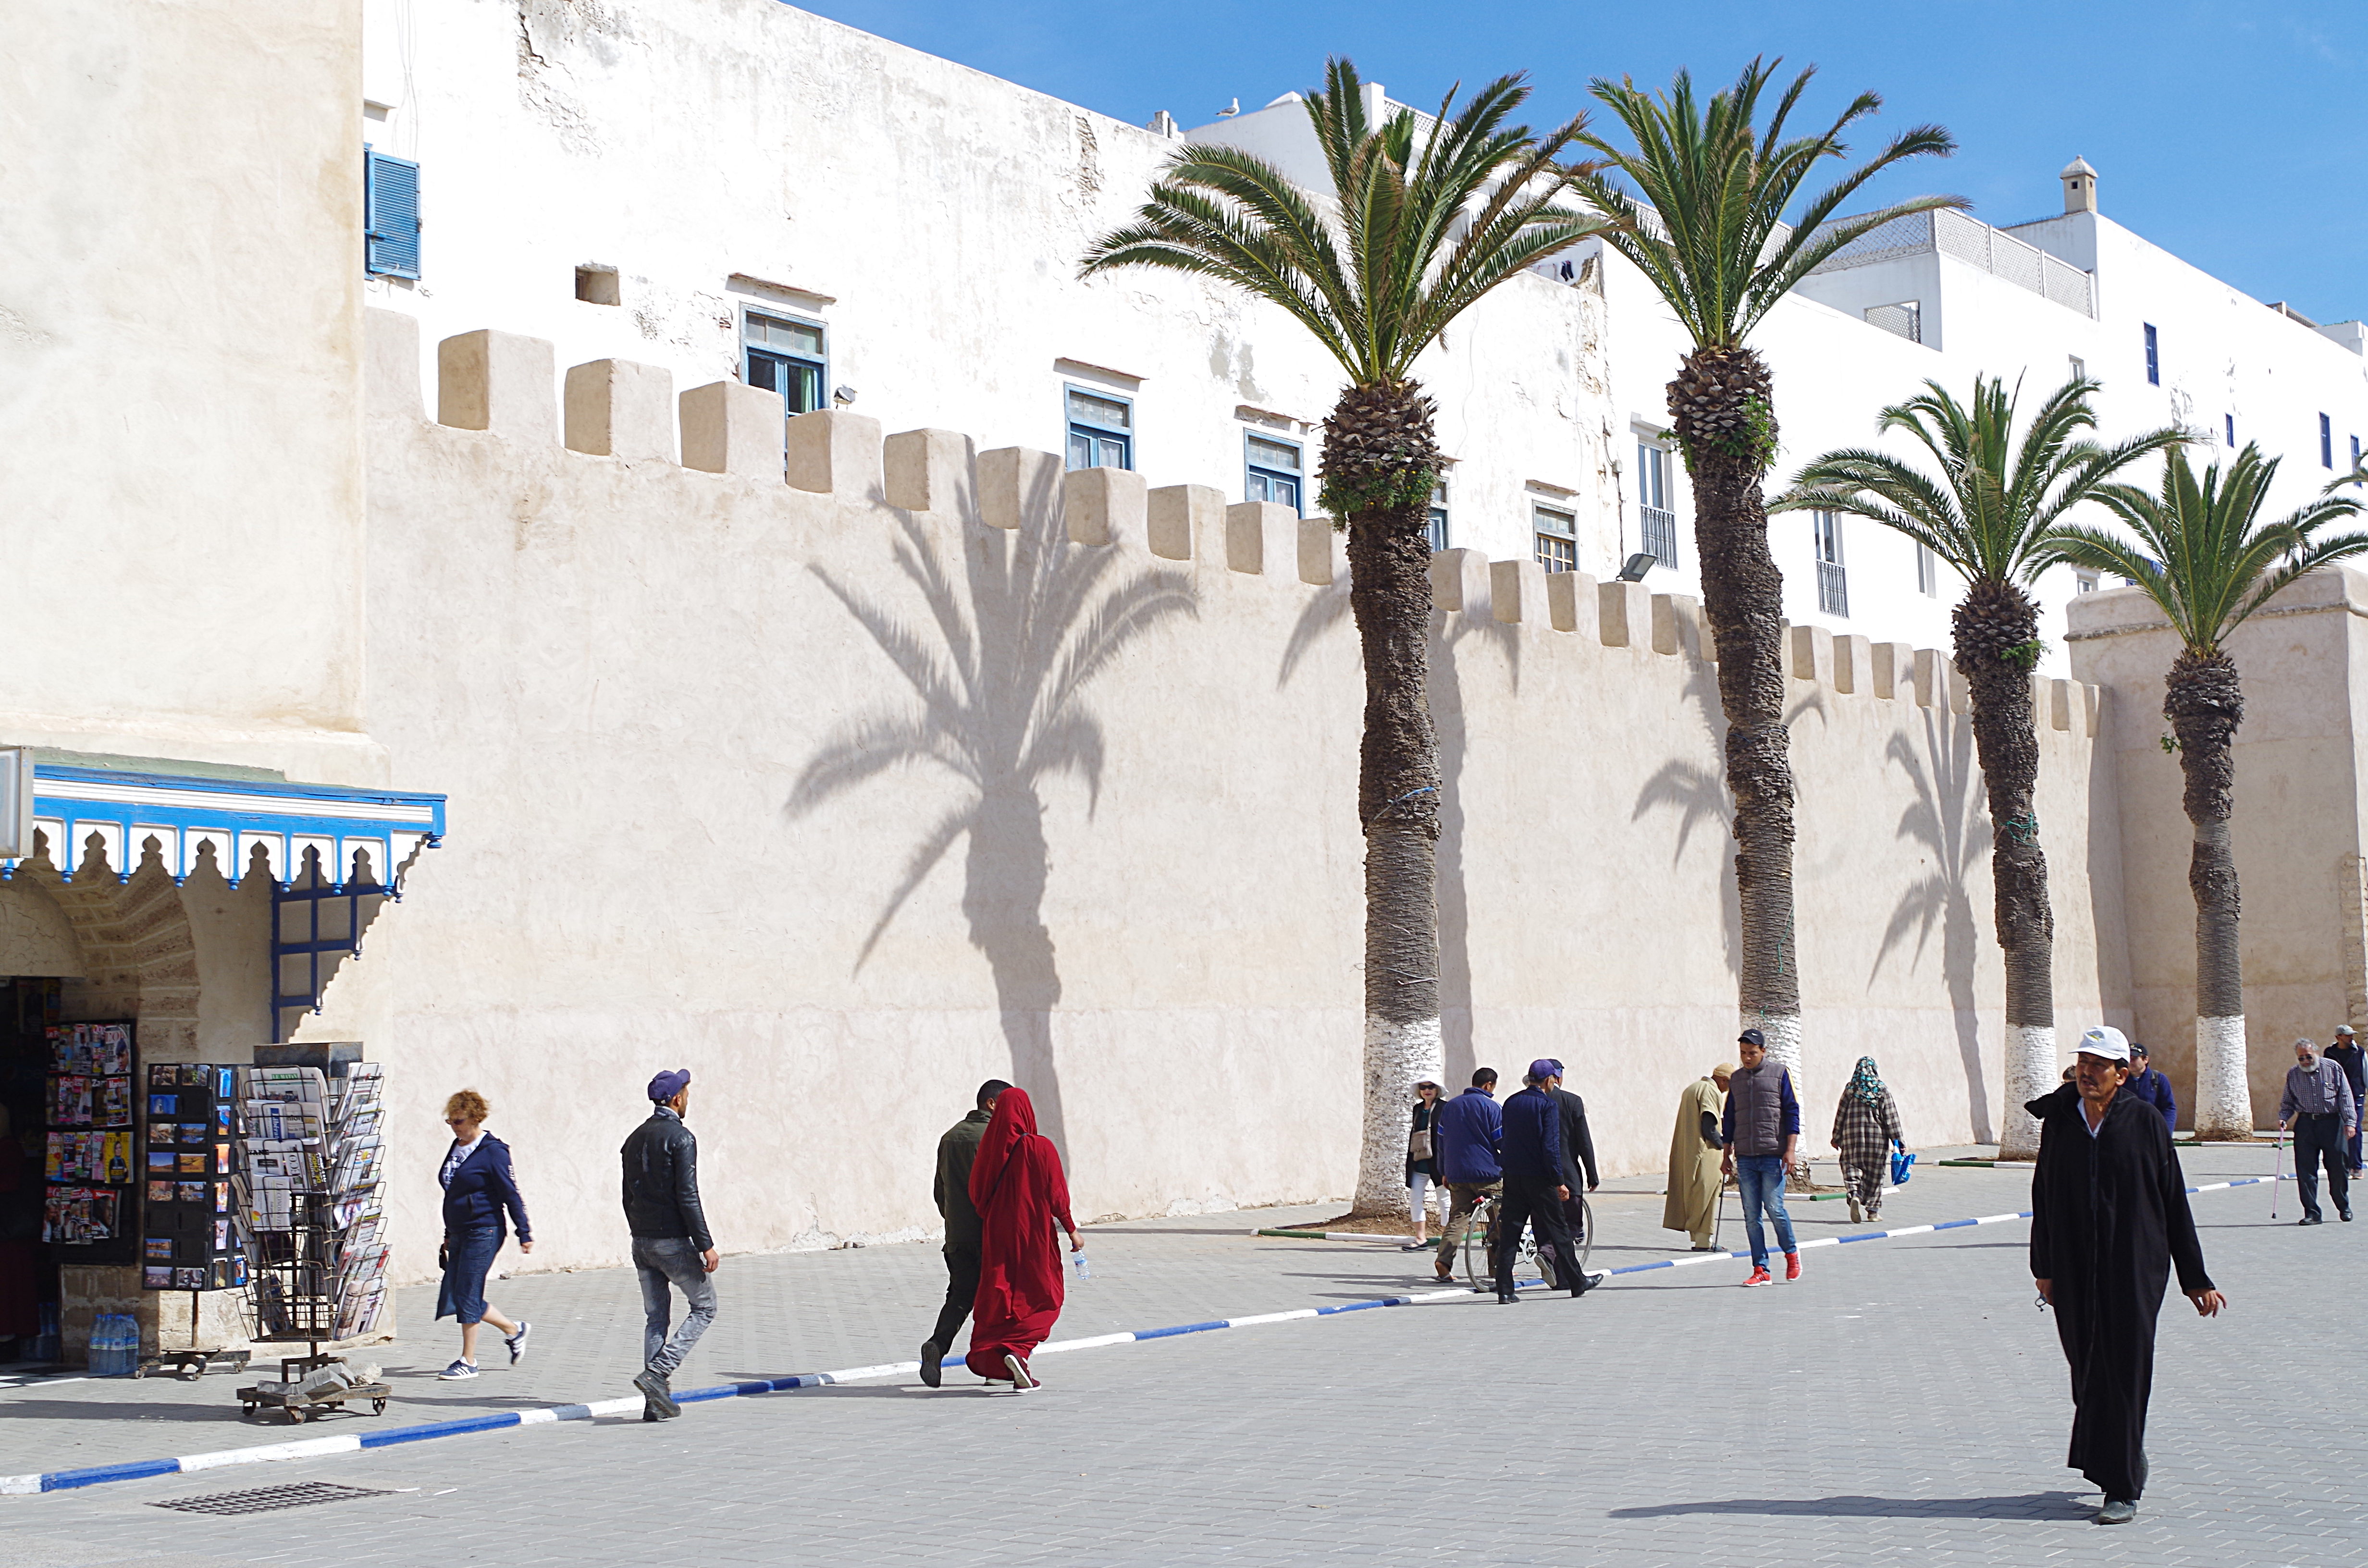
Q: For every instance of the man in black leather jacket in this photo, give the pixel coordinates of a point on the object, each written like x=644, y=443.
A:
x=671, y=1244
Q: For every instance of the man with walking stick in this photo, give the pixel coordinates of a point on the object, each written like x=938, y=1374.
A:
x=2109, y=1218
x=2318, y=1101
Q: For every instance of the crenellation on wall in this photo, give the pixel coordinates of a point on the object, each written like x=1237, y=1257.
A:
x=499, y=382
x=1516, y=594
x=1262, y=539
x=929, y=471
x=1680, y=627
x=833, y=452
x=1853, y=665
x=1459, y=582
x=1188, y=522
x=1318, y=553
x=1103, y=506
x=1932, y=675
x=1893, y=665
x=1812, y=655
x=731, y=428
x=1572, y=605
x=1624, y=615
x=1014, y=483
x=616, y=408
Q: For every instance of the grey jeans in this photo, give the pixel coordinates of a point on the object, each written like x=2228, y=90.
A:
x=663, y=1261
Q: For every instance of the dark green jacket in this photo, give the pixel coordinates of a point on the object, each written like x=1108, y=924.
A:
x=956, y=1150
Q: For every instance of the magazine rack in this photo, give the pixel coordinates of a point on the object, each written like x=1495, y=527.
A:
x=307, y=1182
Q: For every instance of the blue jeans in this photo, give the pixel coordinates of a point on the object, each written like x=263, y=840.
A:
x=664, y=1261
x=1762, y=1178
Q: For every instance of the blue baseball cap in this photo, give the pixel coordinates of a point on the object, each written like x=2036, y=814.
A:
x=666, y=1085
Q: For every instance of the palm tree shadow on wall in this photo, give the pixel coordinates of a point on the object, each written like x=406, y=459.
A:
x=1451, y=635
x=1947, y=821
x=1697, y=792
x=1000, y=674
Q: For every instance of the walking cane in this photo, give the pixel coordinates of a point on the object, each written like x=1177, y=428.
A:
x=2277, y=1173
x=1719, y=1223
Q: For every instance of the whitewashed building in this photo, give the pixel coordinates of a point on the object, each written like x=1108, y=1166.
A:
x=752, y=191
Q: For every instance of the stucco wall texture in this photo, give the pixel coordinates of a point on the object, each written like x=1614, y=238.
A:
x=847, y=802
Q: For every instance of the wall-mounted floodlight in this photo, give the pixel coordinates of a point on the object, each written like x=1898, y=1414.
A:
x=1644, y=561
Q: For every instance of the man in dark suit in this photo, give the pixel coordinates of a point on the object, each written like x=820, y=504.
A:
x=1578, y=1153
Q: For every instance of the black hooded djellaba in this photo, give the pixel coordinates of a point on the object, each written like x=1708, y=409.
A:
x=2109, y=1217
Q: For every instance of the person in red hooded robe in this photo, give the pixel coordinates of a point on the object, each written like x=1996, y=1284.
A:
x=1017, y=1188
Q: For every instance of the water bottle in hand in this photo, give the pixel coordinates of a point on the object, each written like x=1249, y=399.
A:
x=1077, y=1260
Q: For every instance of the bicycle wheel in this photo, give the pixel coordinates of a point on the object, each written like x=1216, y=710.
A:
x=1479, y=1268
x=1586, y=1238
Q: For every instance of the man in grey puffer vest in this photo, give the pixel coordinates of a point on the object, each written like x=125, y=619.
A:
x=1762, y=1129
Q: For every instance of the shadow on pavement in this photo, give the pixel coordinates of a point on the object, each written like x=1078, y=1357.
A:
x=2029, y=1506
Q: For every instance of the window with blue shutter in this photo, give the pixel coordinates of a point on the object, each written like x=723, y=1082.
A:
x=390, y=215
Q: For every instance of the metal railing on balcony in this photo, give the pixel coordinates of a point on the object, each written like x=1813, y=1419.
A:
x=1660, y=534
x=1833, y=590
x=1970, y=240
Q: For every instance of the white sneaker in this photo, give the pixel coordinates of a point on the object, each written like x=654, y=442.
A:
x=1023, y=1379
x=458, y=1371
x=517, y=1342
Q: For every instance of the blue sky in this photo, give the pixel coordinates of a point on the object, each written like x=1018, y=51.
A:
x=2232, y=134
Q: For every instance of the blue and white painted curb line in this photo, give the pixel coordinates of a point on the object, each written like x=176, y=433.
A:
x=390, y=1436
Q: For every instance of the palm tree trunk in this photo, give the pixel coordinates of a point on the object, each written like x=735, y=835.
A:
x=1720, y=404
x=2204, y=702
x=1374, y=437
x=1994, y=618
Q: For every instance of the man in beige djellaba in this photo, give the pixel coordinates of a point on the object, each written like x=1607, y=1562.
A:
x=1694, y=1181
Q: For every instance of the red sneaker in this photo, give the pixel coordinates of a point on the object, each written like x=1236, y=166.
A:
x=1792, y=1266
x=1759, y=1277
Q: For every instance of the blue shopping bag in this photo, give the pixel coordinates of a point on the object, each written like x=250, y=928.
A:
x=1903, y=1166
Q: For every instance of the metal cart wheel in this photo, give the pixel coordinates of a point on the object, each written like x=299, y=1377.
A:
x=378, y=1407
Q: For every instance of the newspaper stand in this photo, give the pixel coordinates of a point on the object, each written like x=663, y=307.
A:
x=308, y=1182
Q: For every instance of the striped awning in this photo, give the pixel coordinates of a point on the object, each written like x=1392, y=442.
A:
x=234, y=817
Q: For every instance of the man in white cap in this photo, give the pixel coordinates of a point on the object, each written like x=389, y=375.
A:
x=2109, y=1218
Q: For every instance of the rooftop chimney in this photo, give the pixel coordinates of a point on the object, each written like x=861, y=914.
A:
x=2079, y=186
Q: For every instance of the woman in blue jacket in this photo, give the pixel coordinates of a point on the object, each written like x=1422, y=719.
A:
x=478, y=1189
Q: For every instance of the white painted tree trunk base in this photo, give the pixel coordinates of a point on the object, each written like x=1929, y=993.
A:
x=2031, y=1072
x=2223, y=1095
x=1397, y=1057
x=1782, y=1033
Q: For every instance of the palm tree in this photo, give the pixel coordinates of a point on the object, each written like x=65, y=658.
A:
x=1984, y=514
x=1713, y=243
x=2206, y=558
x=1423, y=220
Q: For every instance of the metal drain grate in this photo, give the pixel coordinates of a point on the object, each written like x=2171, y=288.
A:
x=265, y=1499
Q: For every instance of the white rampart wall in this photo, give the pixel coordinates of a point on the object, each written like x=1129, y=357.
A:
x=704, y=815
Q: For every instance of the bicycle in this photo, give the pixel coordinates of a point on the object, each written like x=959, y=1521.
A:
x=1480, y=1248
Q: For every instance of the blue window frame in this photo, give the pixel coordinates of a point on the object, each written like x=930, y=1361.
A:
x=2326, y=443
x=1554, y=538
x=1101, y=429
x=2355, y=454
x=1439, y=515
x=390, y=215
x=787, y=355
x=2230, y=421
x=2154, y=356
x=1276, y=471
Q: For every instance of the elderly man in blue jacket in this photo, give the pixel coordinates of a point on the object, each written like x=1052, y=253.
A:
x=1529, y=1152
x=1463, y=1145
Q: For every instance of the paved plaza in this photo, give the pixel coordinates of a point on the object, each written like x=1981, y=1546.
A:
x=1904, y=1403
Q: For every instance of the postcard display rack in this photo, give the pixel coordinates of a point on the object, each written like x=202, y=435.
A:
x=87, y=1203
x=306, y=1183
x=191, y=1238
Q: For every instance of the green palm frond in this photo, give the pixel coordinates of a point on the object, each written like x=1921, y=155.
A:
x=2199, y=547
x=1990, y=499
x=1714, y=242
x=1424, y=219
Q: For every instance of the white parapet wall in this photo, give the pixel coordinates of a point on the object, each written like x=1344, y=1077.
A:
x=855, y=774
